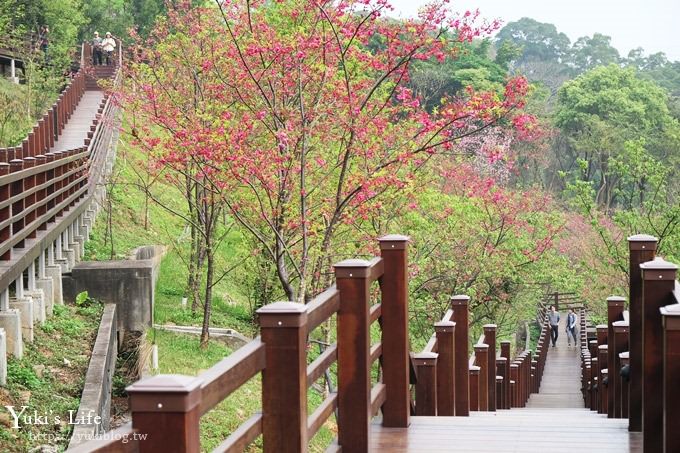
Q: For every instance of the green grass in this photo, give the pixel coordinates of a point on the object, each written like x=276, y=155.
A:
x=230, y=306
x=62, y=346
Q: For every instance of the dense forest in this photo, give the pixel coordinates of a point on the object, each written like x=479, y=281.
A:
x=517, y=161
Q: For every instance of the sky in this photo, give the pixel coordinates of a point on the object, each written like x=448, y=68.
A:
x=653, y=25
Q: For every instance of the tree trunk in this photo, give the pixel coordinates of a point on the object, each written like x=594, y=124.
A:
x=207, y=306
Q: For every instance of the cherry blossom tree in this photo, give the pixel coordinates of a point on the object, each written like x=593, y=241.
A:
x=295, y=118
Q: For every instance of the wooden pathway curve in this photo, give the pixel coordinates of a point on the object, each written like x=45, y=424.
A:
x=554, y=421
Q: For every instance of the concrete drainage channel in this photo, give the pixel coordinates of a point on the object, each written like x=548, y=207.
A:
x=232, y=338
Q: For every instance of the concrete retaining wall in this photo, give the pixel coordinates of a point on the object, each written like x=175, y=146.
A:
x=130, y=284
x=96, y=397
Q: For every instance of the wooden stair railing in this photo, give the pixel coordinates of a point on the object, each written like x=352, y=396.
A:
x=631, y=367
x=167, y=408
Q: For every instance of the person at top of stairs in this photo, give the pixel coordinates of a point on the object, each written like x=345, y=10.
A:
x=554, y=318
x=108, y=45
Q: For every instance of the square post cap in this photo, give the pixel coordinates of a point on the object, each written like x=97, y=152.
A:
x=282, y=314
x=481, y=347
x=352, y=268
x=474, y=369
x=426, y=358
x=642, y=242
x=616, y=301
x=460, y=299
x=658, y=269
x=393, y=242
x=165, y=393
x=444, y=326
x=490, y=326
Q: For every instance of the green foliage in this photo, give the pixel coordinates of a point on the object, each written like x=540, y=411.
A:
x=21, y=374
x=433, y=80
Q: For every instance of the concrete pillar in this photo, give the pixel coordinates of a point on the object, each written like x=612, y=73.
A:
x=77, y=240
x=62, y=257
x=44, y=284
x=67, y=249
x=10, y=324
x=24, y=305
x=3, y=358
x=36, y=295
x=13, y=68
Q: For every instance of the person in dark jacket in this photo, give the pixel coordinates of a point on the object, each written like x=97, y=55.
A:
x=554, y=319
x=572, y=321
x=96, y=50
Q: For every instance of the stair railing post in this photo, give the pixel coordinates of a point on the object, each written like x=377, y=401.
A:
x=459, y=305
x=445, y=331
x=426, y=388
x=620, y=344
x=490, y=339
x=505, y=352
x=615, y=306
x=658, y=283
x=354, y=377
x=482, y=361
x=167, y=409
x=671, y=377
x=642, y=248
x=283, y=329
x=395, y=333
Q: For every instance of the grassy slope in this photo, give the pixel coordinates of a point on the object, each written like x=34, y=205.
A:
x=180, y=354
x=62, y=346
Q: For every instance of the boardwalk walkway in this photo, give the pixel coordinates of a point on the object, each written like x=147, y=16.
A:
x=78, y=125
x=554, y=421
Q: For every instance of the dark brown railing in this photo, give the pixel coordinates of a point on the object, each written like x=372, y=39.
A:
x=631, y=365
x=43, y=191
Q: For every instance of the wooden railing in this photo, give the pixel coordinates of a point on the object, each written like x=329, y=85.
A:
x=168, y=408
x=47, y=203
x=631, y=364
x=48, y=128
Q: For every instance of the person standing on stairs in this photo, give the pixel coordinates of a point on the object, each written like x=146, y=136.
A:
x=96, y=50
x=108, y=44
x=571, y=326
x=554, y=318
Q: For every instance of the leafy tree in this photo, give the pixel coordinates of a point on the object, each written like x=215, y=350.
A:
x=588, y=53
x=538, y=40
x=599, y=111
x=543, y=51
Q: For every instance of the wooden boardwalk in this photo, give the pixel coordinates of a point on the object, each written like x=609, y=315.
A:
x=76, y=129
x=553, y=421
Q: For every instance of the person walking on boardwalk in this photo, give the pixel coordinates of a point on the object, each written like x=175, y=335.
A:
x=554, y=318
x=96, y=50
x=108, y=44
x=571, y=326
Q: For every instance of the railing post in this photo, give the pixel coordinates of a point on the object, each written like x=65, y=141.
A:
x=354, y=378
x=658, y=282
x=426, y=388
x=167, y=409
x=671, y=377
x=283, y=329
x=502, y=370
x=395, y=340
x=475, y=374
x=614, y=313
x=602, y=353
x=5, y=214
x=625, y=384
x=514, y=377
x=482, y=358
x=505, y=352
x=642, y=248
x=619, y=345
x=490, y=339
x=459, y=305
x=445, y=331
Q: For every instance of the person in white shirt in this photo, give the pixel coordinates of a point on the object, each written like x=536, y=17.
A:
x=108, y=46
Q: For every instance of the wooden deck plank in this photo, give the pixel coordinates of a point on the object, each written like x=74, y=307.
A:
x=554, y=421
